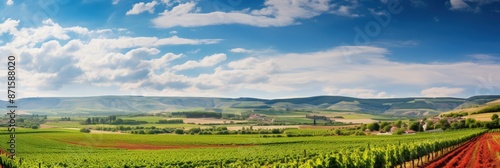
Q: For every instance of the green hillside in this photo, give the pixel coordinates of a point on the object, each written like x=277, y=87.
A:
x=107, y=105
x=480, y=108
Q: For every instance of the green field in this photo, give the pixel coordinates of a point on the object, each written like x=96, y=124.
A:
x=70, y=148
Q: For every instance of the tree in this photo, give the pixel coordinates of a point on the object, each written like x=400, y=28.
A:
x=387, y=128
x=119, y=121
x=455, y=125
x=194, y=130
x=414, y=126
x=383, y=124
x=88, y=121
x=399, y=131
x=444, y=124
x=470, y=123
x=494, y=116
x=179, y=131
x=337, y=132
x=429, y=124
x=373, y=126
x=363, y=127
x=398, y=123
x=85, y=130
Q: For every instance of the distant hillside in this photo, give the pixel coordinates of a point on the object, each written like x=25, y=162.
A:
x=478, y=100
x=107, y=105
x=478, y=107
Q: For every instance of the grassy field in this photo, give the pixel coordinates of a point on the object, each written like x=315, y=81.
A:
x=474, y=109
x=59, y=147
x=482, y=117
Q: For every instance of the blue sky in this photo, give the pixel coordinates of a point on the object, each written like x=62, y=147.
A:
x=260, y=48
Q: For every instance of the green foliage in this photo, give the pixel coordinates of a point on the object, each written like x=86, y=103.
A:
x=28, y=121
x=85, y=130
x=174, y=121
x=399, y=131
x=198, y=114
x=373, y=126
x=111, y=120
x=494, y=116
x=179, y=131
x=398, y=123
x=415, y=126
x=50, y=148
x=458, y=114
x=387, y=128
x=489, y=109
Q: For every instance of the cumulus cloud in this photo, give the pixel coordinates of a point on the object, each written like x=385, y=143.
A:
x=458, y=5
x=53, y=56
x=9, y=2
x=207, y=61
x=240, y=50
x=275, y=13
x=441, y=92
x=142, y=7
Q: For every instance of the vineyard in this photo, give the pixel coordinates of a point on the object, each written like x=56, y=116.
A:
x=481, y=152
x=70, y=148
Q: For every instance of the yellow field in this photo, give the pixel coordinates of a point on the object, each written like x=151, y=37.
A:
x=482, y=117
x=474, y=109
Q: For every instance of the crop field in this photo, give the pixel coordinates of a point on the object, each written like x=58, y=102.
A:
x=483, y=151
x=482, y=117
x=53, y=147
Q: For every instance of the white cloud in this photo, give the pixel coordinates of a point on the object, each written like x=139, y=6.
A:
x=142, y=7
x=130, y=42
x=441, y=92
x=458, y=5
x=344, y=10
x=275, y=13
x=207, y=61
x=115, y=2
x=240, y=50
x=159, y=64
x=173, y=32
x=53, y=56
x=469, y=5
x=485, y=57
x=247, y=63
x=9, y=2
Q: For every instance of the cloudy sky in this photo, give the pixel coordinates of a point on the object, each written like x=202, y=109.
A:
x=257, y=48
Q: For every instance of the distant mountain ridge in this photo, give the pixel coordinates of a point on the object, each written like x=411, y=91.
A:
x=106, y=105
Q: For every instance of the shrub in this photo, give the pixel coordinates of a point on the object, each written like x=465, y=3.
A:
x=85, y=130
x=179, y=131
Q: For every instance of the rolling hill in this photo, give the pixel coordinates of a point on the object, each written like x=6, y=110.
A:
x=107, y=105
x=479, y=108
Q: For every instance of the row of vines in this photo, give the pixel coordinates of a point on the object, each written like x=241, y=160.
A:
x=346, y=151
